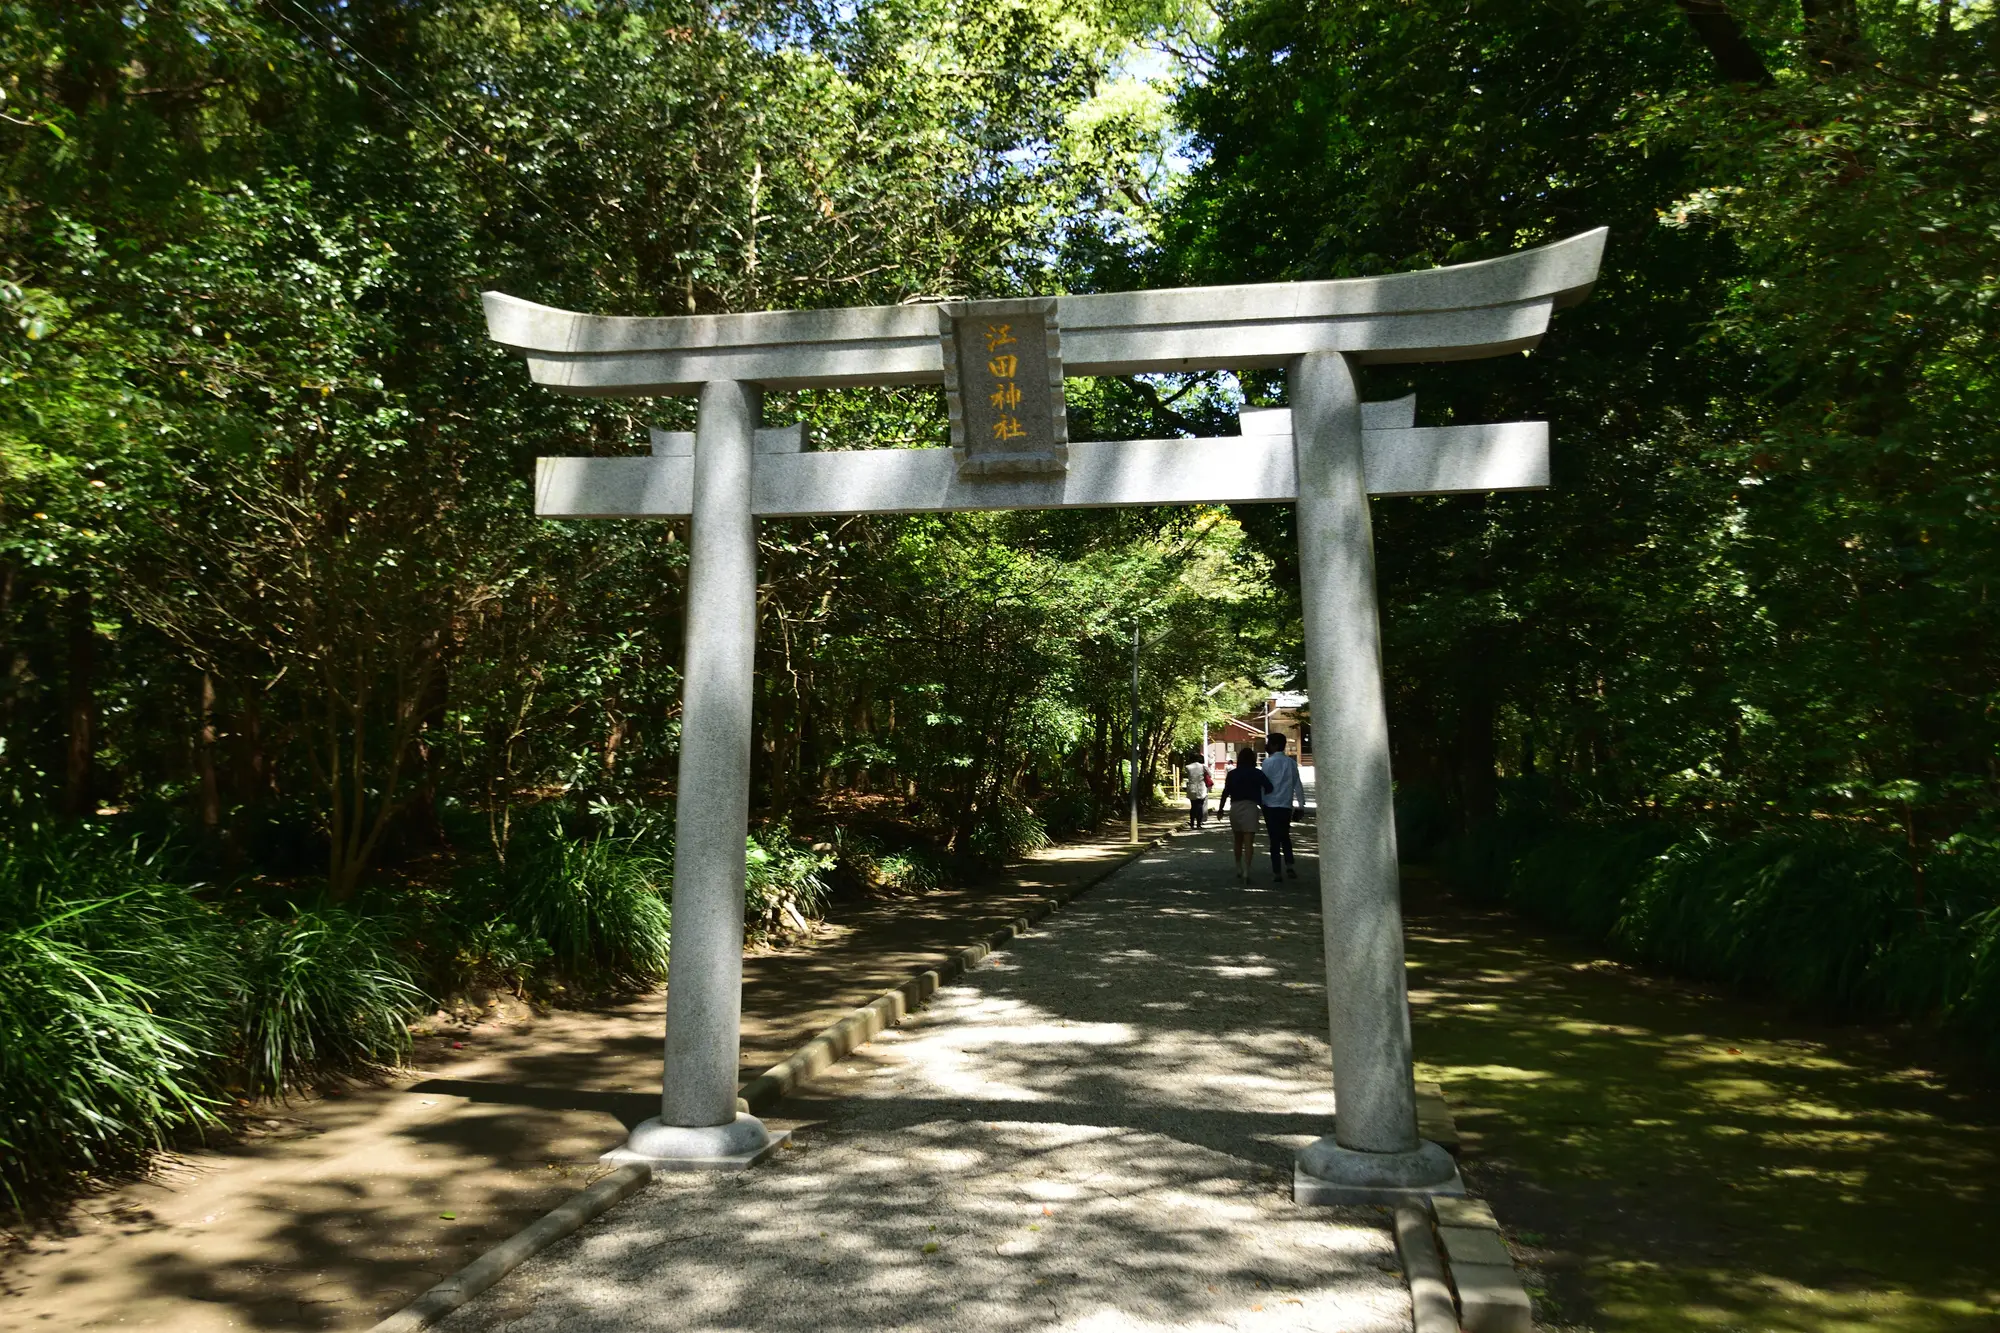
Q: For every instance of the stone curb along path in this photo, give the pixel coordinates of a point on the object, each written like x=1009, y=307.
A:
x=1491, y=1298
x=766, y=1090
x=508, y=1255
x=1431, y=1307
x=1455, y=1246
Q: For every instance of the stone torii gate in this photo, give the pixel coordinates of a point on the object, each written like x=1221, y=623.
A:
x=1003, y=364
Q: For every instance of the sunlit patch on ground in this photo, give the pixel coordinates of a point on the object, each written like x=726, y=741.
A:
x=1096, y=1136
x=1673, y=1160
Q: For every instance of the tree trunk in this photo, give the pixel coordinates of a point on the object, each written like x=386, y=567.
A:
x=1723, y=36
x=254, y=782
x=204, y=757
x=1476, y=775
x=79, y=782
x=1100, y=762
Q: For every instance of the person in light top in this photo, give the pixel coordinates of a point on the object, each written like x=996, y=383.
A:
x=1194, y=774
x=1287, y=796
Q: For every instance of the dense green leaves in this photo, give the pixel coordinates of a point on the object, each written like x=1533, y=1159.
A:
x=108, y=1041
x=267, y=557
x=1726, y=693
x=267, y=569
x=1758, y=588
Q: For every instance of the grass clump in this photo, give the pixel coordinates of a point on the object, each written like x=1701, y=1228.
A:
x=597, y=904
x=135, y=1007
x=1834, y=917
x=1008, y=827
x=131, y=1009
x=325, y=991
x=117, y=1002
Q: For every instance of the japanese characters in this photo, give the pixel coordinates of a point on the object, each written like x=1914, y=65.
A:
x=1003, y=377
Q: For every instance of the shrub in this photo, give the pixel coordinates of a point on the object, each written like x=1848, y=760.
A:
x=1584, y=876
x=324, y=991
x=1821, y=914
x=783, y=879
x=1070, y=810
x=1007, y=828
x=1802, y=913
x=500, y=953
x=1423, y=822
x=115, y=998
x=880, y=868
x=1976, y=1006
x=598, y=903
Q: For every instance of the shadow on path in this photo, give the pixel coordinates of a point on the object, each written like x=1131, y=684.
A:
x=1091, y=1130
x=341, y=1210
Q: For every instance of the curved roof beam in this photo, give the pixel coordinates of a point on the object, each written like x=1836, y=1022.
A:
x=1458, y=313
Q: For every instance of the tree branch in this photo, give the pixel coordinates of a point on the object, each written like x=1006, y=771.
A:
x=1723, y=36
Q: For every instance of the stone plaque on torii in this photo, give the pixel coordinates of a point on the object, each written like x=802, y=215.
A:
x=1329, y=452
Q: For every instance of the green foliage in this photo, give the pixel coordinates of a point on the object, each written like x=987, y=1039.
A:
x=985, y=660
x=129, y=1005
x=881, y=868
x=598, y=903
x=1006, y=829
x=498, y=953
x=784, y=882
x=1800, y=914
x=269, y=575
x=1743, y=647
x=115, y=999
x=1577, y=874
x=1864, y=198
x=1066, y=811
x=325, y=991
x=1825, y=916
x=248, y=390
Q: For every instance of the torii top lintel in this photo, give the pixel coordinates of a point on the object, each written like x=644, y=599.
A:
x=1457, y=313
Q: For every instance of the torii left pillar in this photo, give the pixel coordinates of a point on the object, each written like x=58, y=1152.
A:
x=699, y=1127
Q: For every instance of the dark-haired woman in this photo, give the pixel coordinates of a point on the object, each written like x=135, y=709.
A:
x=1246, y=787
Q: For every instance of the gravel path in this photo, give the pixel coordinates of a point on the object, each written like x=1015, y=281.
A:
x=1094, y=1130
x=331, y=1213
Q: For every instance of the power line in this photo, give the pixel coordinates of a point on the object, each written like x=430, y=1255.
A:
x=335, y=47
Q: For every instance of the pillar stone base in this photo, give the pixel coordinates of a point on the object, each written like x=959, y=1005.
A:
x=736, y=1146
x=1325, y=1172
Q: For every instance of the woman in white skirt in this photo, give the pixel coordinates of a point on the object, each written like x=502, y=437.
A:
x=1243, y=799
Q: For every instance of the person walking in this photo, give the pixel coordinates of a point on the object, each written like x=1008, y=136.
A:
x=1286, y=795
x=1194, y=774
x=1245, y=785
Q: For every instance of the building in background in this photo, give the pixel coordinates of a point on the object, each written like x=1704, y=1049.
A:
x=1286, y=711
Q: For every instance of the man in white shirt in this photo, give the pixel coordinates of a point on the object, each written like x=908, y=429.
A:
x=1287, y=794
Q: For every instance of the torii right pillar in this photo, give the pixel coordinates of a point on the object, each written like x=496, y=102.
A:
x=1374, y=1154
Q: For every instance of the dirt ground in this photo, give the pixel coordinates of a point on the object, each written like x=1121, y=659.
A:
x=331, y=1213
x=1663, y=1157
x=1671, y=1158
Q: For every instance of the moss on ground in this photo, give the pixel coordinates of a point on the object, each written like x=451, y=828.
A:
x=1667, y=1159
